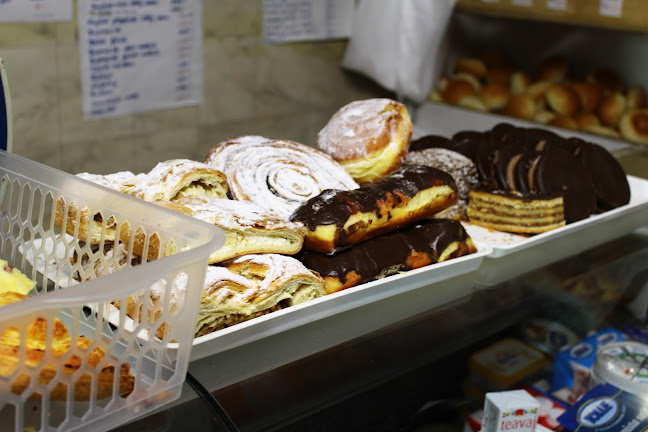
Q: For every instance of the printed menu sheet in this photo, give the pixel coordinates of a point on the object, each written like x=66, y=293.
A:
x=139, y=55
x=303, y=20
x=35, y=10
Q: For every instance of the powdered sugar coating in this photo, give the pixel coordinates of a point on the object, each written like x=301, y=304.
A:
x=123, y=181
x=279, y=270
x=166, y=177
x=353, y=125
x=278, y=175
x=233, y=214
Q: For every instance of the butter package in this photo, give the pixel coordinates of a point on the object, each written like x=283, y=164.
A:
x=510, y=410
x=506, y=364
x=606, y=408
x=573, y=365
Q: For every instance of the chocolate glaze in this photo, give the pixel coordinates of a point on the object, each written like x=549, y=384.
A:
x=608, y=177
x=492, y=151
x=336, y=206
x=524, y=183
x=388, y=253
x=430, y=141
x=560, y=172
x=465, y=142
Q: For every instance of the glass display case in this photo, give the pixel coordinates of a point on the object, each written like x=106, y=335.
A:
x=413, y=373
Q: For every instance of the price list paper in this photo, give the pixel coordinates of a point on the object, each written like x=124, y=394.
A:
x=35, y=10
x=304, y=20
x=139, y=55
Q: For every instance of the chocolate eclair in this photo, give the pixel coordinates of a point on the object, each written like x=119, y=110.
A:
x=421, y=244
x=337, y=219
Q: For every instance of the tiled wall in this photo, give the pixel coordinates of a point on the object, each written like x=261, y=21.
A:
x=279, y=91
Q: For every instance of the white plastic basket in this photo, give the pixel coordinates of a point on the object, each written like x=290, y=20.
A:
x=50, y=388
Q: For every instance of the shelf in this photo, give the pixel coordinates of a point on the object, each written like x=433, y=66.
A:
x=631, y=15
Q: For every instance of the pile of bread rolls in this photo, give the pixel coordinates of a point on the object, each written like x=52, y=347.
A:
x=599, y=103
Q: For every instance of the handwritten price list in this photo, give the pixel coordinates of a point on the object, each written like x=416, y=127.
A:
x=139, y=55
x=35, y=10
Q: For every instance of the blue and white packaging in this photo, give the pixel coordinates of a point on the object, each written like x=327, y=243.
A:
x=605, y=408
x=573, y=365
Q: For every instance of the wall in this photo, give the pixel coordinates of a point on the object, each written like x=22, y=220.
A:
x=279, y=91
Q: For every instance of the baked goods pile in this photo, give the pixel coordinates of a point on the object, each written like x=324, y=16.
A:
x=599, y=102
x=51, y=340
x=285, y=208
x=532, y=180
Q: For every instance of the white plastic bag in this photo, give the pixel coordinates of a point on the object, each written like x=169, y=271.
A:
x=398, y=44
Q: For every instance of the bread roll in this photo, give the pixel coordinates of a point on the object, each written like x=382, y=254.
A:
x=472, y=66
x=634, y=125
x=553, y=69
x=457, y=89
x=520, y=106
x=590, y=95
x=636, y=97
x=611, y=109
x=563, y=100
x=520, y=82
x=586, y=120
x=495, y=96
x=564, y=122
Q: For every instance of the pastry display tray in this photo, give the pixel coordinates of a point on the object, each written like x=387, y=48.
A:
x=298, y=315
x=344, y=301
x=513, y=255
x=324, y=322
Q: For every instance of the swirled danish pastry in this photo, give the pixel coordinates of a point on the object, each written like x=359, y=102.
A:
x=278, y=175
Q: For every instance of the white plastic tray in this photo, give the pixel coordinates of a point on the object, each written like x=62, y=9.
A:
x=513, y=255
x=343, y=301
x=289, y=318
x=506, y=243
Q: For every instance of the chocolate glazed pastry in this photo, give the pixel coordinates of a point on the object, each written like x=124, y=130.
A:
x=337, y=219
x=610, y=182
x=419, y=245
x=559, y=172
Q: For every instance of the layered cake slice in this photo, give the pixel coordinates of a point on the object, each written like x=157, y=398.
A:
x=515, y=213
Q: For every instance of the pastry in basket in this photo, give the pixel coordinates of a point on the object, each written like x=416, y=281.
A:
x=369, y=138
x=12, y=279
x=248, y=229
x=91, y=226
x=179, y=178
x=277, y=175
x=38, y=346
x=169, y=180
x=421, y=244
x=254, y=285
x=337, y=219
